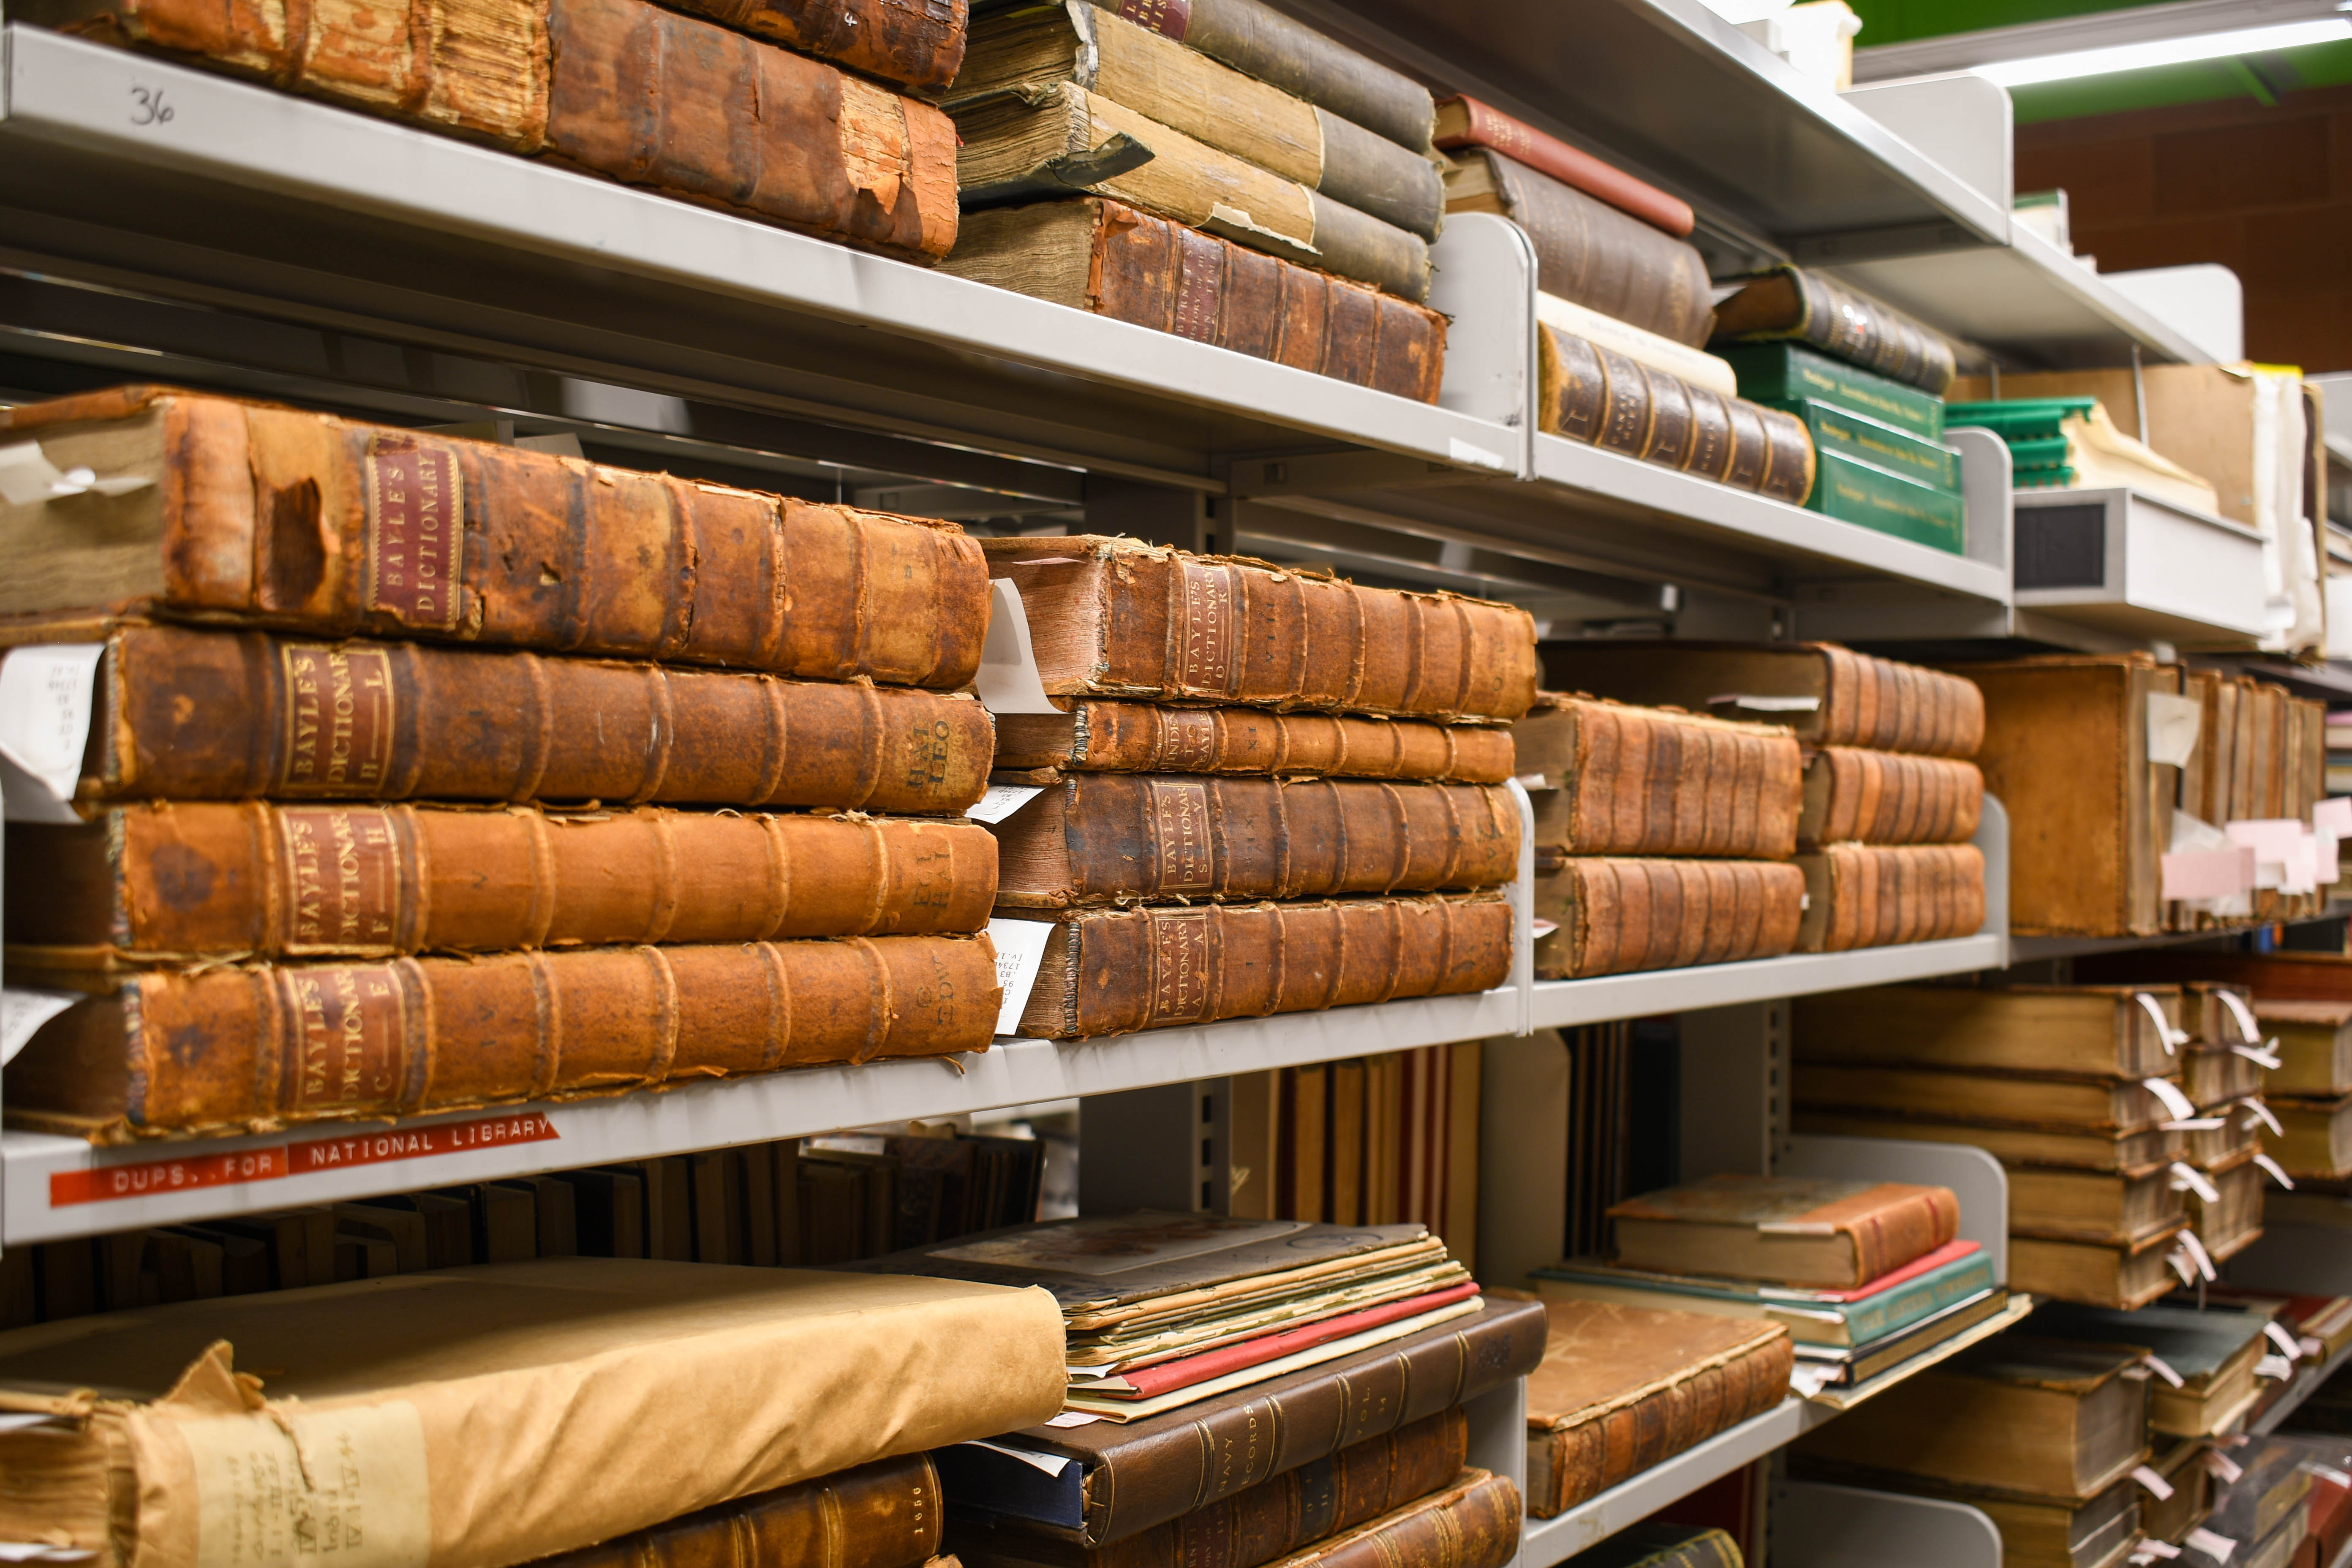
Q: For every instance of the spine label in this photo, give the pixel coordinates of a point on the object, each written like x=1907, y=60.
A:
x=1200, y=272
x=352, y=1022
x=1169, y=19
x=1206, y=606
x=342, y=890
x=339, y=719
x=1180, y=966
x=1188, y=740
x=415, y=540
x=1178, y=811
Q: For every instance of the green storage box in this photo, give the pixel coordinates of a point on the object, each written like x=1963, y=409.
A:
x=1787, y=373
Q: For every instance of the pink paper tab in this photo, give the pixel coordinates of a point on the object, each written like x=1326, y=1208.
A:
x=2209, y=873
x=2334, y=816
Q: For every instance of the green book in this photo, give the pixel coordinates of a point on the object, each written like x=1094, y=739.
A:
x=1954, y=1272
x=1785, y=374
x=1836, y=429
x=1852, y=491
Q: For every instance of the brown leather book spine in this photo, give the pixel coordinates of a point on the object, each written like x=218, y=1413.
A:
x=1101, y=837
x=883, y=1515
x=913, y=43
x=1589, y=252
x=1793, y=302
x=1617, y=916
x=1473, y=1524
x=323, y=525
x=1572, y=1466
x=209, y=715
x=1485, y=126
x=1878, y=895
x=1882, y=705
x=181, y=880
x=1161, y=274
x=1644, y=782
x=1853, y=795
x=1595, y=394
x=1144, y=737
x=1110, y=972
x=191, y=1051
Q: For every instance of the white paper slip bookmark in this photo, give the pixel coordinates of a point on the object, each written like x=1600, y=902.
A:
x=1008, y=680
x=2265, y=1057
x=2285, y=1340
x=26, y=476
x=2175, y=1104
x=2278, y=1368
x=1003, y=800
x=2197, y=1253
x=1075, y=1418
x=2172, y=726
x=1756, y=702
x=46, y=695
x=2334, y=816
x=2190, y=1179
x=2222, y=1467
x=2248, y=1030
x=24, y=1011
x=2165, y=1032
x=2161, y=1367
x=2157, y=1487
x=1806, y=1382
x=2152, y=1549
x=1052, y=1464
x=1020, y=949
x=42, y=1552
x=2257, y=1111
x=2277, y=1171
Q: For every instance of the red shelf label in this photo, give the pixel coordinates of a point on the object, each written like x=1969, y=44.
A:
x=151, y=1178
x=416, y=1142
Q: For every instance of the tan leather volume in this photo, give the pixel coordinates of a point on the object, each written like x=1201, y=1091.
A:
x=1281, y=1514
x=1640, y=781
x=210, y=715
x=1616, y=916
x=1106, y=837
x=616, y=88
x=883, y=1515
x=1868, y=895
x=211, y=1050
x=1113, y=260
x=305, y=521
x=913, y=43
x=1588, y=393
x=1853, y=795
x=1623, y=1388
x=179, y=881
x=1116, y=618
x=1146, y=738
x=1793, y=302
x=1107, y=972
x=1474, y=1524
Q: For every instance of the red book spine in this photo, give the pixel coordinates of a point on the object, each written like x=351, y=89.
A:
x=1183, y=1372
x=1516, y=139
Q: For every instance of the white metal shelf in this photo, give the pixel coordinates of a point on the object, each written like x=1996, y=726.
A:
x=2305, y=1384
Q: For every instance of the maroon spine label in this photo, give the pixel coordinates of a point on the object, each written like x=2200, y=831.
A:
x=1199, y=286
x=1188, y=740
x=1179, y=965
x=1178, y=812
x=339, y=719
x=415, y=512
x=352, y=1024
x=1204, y=619
x=343, y=890
x=1169, y=19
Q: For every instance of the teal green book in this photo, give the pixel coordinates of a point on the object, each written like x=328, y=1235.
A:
x=1786, y=374
x=1955, y=1272
x=1874, y=441
x=1855, y=492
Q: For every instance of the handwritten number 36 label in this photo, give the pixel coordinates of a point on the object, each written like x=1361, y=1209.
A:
x=148, y=107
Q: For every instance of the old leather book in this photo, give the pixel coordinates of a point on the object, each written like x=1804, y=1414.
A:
x=2313, y=1042
x=2316, y=1136
x=2232, y=1220
x=215, y=715
x=1260, y=41
x=1623, y=1388
x=491, y=1415
x=1785, y=1230
x=1654, y=1545
x=1107, y=972
x=1871, y=894
x=2134, y=1153
x=285, y=518
x=1112, y=837
x=913, y=43
x=1588, y=391
x=1097, y=736
x=1278, y=1515
x=1146, y=1473
x=1831, y=696
x=2089, y=1031
x=1062, y=138
x=1587, y=250
x=234, y=1048
x=1109, y=260
x=882, y=1515
x=2109, y=1105
x=173, y=881
x=1026, y=48
x=1463, y=121
x=1791, y=302
x=2103, y=1206
x=1474, y=1524
x=1614, y=916
x=1619, y=780
x=2123, y=1275
x=1116, y=618
x=1854, y=796
x=2211, y=1348
x=616, y=88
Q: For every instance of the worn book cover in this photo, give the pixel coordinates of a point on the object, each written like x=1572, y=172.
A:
x=1613, y=779
x=1790, y=1230
x=1098, y=736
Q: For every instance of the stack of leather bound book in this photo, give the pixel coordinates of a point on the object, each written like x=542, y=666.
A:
x=1213, y=168
x=804, y=114
x=398, y=789
x=1866, y=384
x=1265, y=791
x=1883, y=805
x=1240, y=1392
x=1623, y=308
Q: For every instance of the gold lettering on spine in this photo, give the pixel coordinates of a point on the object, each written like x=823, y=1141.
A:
x=352, y=1024
x=416, y=497
x=344, y=891
x=1204, y=624
x=1178, y=810
x=339, y=719
x=1179, y=965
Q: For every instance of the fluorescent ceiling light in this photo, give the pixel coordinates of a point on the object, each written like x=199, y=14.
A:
x=2167, y=52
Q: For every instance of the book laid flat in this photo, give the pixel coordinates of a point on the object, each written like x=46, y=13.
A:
x=1061, y=138
x=599, y=86
x=1618, y=780
x=281, y=517
x=1023, y=49
x=1590, y=392
x=1919, y=1289
x=1109, y=260
x=1831, y=696
x=199, y=714
x=1649, y=1545
x=1096, y=736
x=1876, y=895
x=1793, y=302
x=1782, y=373
x=1840, y=431
x=1463, y=121
x=1852, y=491
x=2093, y=1031
x=1474, y=1524
x=1849, y=1366
x=1623, y=1388
x=917, y=45
x=1116, y=618
x=1616, y=916
x=1318, y=1500
x=1795, y=1231
x=1694, y=367
x=2125, y=1276
x=2135, y=1153
x=882, y=1515
x=1098, y=838
x=1588, y=251
x=2103, y=1206
x=1853, y=795
x=2106, y=1105
x=493, y=1415
x=172, y=881
x=2212, y=1350
x=215, y=1049
x=1109, y=971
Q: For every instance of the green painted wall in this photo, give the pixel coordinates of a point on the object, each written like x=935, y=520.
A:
x=1894, y=21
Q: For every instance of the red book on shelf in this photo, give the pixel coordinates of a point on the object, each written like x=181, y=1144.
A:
x=1467, y=123
x=1950, y=1252
x=1148, y=1381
